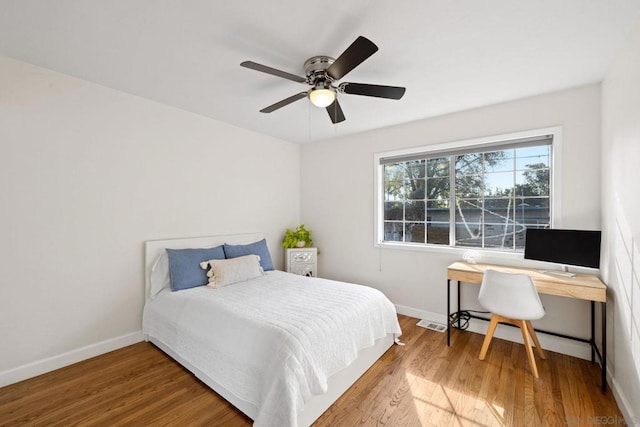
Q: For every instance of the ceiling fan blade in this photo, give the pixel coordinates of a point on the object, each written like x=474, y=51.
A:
x=335, y=112
x=390, y=92
x=355, y=54
x=269, y=70
x=284, y=102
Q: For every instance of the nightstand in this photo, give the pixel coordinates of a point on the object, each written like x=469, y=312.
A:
x=302, y=261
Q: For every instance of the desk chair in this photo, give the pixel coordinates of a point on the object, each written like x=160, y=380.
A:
x=511, y=298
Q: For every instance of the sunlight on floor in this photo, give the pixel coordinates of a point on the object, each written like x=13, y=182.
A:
x=435, y=402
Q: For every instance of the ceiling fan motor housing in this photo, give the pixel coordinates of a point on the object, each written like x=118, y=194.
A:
x=315, y=68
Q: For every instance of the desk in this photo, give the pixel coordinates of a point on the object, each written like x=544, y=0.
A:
x=583, y=286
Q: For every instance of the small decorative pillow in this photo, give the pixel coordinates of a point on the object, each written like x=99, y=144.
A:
x=223, y=272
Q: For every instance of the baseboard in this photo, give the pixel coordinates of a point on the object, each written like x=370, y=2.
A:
x=420, y=314
x=631, y=418
x=548, y=342
x=49, y=364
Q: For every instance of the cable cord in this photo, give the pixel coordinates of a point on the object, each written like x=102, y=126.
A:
x=460, y=319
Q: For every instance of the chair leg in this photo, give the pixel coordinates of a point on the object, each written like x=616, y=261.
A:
x=487, y=339
x=535, y=339
x=527, y=346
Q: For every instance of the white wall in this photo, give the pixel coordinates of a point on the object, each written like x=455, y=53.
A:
x=621, y=219
x=87, y=174
x=338, y=202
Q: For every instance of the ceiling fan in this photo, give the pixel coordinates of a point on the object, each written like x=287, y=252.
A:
x=323, y=73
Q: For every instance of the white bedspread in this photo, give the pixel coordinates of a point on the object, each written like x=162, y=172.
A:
x=271, y=341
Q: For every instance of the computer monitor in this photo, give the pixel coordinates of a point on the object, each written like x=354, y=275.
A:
x=567, y=247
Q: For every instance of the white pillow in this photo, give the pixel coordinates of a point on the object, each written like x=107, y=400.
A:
x=159, y=277
x=225, y=272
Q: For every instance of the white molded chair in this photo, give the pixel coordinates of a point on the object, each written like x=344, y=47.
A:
x=511, y=298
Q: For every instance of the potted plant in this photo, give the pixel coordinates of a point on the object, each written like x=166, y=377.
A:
x=299, y=238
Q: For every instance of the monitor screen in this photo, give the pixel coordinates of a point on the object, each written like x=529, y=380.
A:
x=569, y=247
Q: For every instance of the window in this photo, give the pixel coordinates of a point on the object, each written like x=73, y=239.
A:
x=478, y=195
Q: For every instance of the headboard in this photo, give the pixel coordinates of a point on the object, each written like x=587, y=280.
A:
x=153, y=248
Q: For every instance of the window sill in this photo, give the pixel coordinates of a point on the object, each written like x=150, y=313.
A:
x=484, y=254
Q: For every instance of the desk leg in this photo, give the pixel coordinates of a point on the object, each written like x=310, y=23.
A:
x=448, y=312
x=458, y=309
x=604, y=345
x=593, y=331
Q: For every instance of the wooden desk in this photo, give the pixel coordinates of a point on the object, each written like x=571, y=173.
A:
x=583, y=286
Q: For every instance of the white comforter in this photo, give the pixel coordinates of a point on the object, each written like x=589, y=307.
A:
x=271, y=341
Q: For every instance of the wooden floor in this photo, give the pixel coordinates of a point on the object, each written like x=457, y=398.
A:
x=424, y=383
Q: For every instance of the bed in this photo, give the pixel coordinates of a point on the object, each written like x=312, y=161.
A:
x=281, y=348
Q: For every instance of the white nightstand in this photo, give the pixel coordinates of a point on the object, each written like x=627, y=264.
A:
x=303, y=261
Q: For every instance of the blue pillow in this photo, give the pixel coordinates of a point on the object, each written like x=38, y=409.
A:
x=184, y=266
x=257, y=248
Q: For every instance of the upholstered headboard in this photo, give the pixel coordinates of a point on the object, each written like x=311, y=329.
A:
x=153, y=248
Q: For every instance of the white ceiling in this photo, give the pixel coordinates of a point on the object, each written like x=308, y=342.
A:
x=450, y=55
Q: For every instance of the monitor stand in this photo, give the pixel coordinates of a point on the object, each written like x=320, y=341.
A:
x=563, y=273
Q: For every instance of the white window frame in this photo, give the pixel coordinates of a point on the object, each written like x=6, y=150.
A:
x=479, y=144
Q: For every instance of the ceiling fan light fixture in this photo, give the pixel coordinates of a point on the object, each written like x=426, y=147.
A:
x=322, y=97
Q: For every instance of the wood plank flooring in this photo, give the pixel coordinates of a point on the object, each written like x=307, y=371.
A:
x=424, y=383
